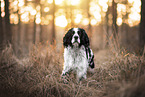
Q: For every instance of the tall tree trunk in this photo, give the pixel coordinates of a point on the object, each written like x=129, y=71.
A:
x=34, y=34
x=41, y=30
x=8, y=33
x=89, y=17
x=114, y=14
x=19, y=27
x=142, y=26
x=107, y=27
x=53, y=25
x=1, y=30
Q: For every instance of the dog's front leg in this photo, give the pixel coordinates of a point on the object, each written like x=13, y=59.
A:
x=64, y=75
x=81, y=75
x=66, y=70
x=82, y=69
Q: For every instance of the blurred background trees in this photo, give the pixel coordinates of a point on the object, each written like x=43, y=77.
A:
x=27, y=22
x=142, y=26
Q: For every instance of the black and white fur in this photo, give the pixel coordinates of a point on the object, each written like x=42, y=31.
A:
x=78, y=56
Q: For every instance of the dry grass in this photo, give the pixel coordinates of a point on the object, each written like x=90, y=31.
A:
x=38, y=75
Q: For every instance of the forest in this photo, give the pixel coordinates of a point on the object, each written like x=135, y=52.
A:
x=31, y=47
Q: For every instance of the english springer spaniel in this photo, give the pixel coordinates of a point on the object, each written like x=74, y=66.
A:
x=78, y=56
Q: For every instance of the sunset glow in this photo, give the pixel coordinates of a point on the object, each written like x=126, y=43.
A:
x=75, y=2
x=119, y=21
x=58, y=2
x=126, y=13
x=133, y=9
x=134, y=16
x=78, y=18
x=93, y=22
x=85, y=21
x=61, y=21
x=2, y=8
x=46, y=9
x=50, y=1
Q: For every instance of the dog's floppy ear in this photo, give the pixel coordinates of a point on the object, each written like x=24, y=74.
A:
x=67, y=38
x=84, y=38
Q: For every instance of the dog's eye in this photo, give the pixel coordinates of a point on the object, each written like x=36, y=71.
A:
x=79, y=32
x=73, y=32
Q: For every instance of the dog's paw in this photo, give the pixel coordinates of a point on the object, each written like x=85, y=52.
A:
x=64, y=79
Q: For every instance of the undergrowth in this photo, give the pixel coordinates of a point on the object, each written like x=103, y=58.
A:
x=38, y=75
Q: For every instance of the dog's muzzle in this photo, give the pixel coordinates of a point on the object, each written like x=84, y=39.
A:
x=75, y=40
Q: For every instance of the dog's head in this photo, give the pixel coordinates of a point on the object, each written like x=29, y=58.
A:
x=76, y=37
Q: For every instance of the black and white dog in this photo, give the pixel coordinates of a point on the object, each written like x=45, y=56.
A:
x=78, y=56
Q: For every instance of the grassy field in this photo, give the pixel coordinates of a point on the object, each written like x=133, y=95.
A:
x=117, y=74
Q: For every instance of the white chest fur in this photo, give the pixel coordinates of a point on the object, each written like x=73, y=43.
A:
x=75, y=59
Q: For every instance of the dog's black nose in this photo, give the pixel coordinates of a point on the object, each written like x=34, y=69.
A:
x=75, y=37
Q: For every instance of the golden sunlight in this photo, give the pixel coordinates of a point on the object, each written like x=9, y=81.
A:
x=49, y=1
x=33, y=12
x=119, y=21
x=78, y=18
x=93, y=22
x=38, y=21
x=104, y=5
x=134, y=19
x=2, y=8
x=85, y=21
x=134, y=15
x=126, y=12
x=58, y=2
x=21, y=3
x=97, y=16
x=46, y=9
x=14, y=18
x=75, y=2
x=38, y=18
x=61, y=21
x=121, y=8
x=130, y=1
x=3, y=14
x=25, y=17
